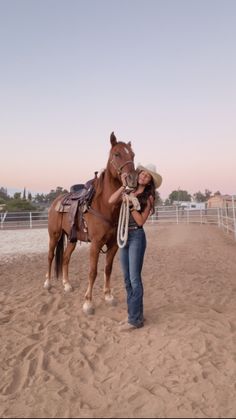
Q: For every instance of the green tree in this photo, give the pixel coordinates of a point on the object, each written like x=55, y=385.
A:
x=55, y=193
x=3, y=194
x=40, y=198
x=15, y=205
x=17, y=196
x=167, y=202
x=207, y=194
x=158, y=200
x=179, y=195
x=199, y=197
x=2, y=201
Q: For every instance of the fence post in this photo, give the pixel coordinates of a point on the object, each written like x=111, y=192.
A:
x=226, y=216
x=3, y=216
x=187, y=215
x=233, y=206
x=218, y=216
x=30, y=215
x=177, y=215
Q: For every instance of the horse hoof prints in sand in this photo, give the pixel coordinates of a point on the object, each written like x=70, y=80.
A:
x=96, y=222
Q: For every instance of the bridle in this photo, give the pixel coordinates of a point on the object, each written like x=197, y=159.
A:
x=119, y=168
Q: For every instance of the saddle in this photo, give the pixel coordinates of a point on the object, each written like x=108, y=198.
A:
x=76, y=203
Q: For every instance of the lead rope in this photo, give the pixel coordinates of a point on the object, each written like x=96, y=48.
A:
x=122, y=230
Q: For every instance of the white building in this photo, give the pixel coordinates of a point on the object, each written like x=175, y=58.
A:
x=192, y=205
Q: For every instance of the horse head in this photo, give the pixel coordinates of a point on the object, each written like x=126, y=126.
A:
x=121, y=160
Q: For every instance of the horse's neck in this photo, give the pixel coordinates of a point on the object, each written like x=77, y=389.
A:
x=109, y=186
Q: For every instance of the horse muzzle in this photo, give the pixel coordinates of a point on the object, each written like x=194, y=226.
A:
x=132, y=180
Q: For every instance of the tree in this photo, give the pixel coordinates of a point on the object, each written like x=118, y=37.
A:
x=54, y=193
x=167, y=202
x=158, y=200
x=207, y=194
x=179, y=195
x=199, y=197
x=17, y=195
x=40, y=198
x=3, y=194
x=2, y=201
x=19, y=205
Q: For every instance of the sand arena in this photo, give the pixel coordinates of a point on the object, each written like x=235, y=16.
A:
x=57, y=362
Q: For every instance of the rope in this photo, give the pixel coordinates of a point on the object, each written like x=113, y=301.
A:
x=122, y=230
x=123, y=224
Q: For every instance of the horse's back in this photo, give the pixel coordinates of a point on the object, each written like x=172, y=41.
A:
x=55, y=216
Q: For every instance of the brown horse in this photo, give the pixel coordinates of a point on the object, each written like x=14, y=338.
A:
x=101, y=220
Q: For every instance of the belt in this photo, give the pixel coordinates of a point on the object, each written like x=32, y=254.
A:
x=134, y=228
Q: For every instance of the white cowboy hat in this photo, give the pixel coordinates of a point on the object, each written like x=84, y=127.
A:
x=151, y=169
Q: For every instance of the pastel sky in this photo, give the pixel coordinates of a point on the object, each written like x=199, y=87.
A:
x=161, y=73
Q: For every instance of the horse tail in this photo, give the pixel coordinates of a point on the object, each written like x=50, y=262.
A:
x=59, y=256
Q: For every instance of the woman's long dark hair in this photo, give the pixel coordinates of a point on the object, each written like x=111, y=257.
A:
x=143, y=197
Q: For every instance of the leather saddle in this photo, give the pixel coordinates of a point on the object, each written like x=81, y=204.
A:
x=76, y=203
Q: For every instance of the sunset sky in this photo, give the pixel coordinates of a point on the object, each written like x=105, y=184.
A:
x=160, y=73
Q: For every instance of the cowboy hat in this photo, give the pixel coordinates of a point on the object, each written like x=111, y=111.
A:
x=151, y=169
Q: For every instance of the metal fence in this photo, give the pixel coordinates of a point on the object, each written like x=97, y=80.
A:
x=224, y=218
x=21, y=220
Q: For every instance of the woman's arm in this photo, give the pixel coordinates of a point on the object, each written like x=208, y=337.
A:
x=116, y=196
x=141, y=218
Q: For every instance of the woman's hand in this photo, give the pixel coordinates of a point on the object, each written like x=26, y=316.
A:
x=123, y=179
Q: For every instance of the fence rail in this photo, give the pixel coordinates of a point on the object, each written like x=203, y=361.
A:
x=21, y=220
x=224, y=218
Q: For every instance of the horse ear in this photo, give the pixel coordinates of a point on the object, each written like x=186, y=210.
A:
x=129, y=143
x=113, y=139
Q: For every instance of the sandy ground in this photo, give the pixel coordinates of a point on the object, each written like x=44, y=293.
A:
x=56, y=362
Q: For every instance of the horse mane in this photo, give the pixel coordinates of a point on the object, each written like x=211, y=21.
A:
x=99, y=183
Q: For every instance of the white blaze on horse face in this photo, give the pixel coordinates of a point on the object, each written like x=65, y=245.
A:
x=127, y=151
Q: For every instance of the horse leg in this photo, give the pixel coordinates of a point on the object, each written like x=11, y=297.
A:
x=111, y=252
x=94, y=255
x=65, y=266
x=52, y=245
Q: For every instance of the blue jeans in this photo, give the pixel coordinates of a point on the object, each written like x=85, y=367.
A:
x=131, y=258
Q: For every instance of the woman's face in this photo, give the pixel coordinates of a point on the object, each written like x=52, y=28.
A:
x=144, y=178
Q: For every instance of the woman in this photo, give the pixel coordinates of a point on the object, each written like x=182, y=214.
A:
x=132, y=254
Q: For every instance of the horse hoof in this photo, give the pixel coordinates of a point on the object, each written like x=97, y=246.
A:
x=88, y=308
x=111, y=300
x=47, y=285
x=68, y=287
